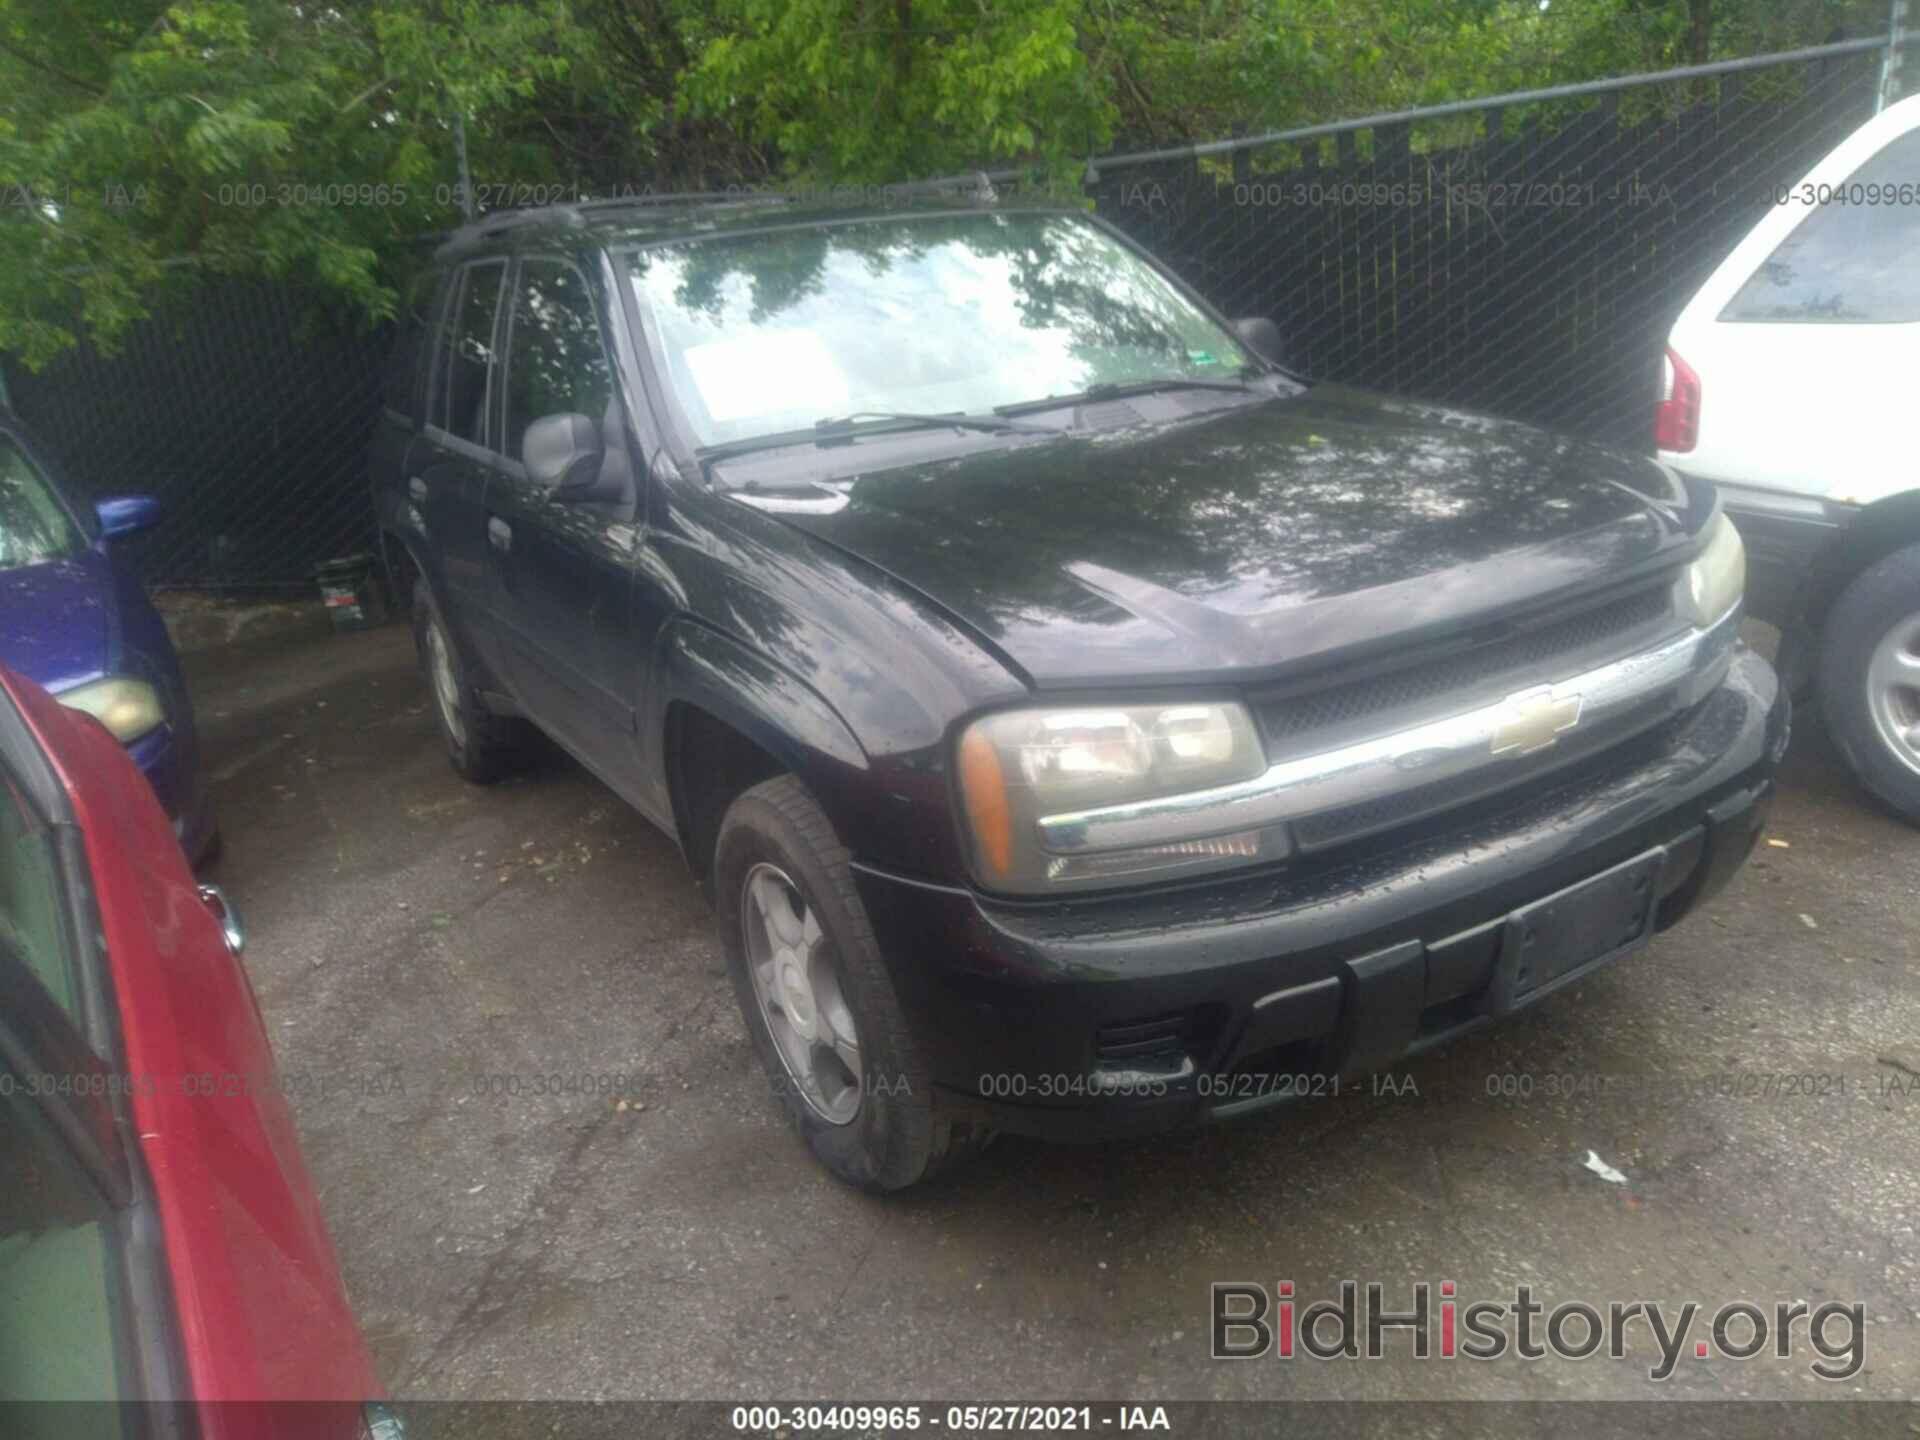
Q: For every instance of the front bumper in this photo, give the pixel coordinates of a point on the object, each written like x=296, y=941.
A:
x=1142, y=1012
x=1788, y=538
x=169, y=759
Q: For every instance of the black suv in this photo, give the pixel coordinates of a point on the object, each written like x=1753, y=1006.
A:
x=1080, y=725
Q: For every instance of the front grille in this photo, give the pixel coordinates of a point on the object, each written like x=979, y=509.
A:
x=1577, y=755
x=1544, y=651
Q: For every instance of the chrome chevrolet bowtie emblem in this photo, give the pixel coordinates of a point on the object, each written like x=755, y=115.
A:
x=1533, y=720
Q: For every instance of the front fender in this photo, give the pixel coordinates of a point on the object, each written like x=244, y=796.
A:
x=889, y=806
x=771, y=706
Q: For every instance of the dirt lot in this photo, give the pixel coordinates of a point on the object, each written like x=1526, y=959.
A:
x=426, y=952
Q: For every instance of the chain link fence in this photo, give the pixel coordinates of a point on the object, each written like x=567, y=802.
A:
x=1522, y=255
x=246, y=410
x=1525, y=259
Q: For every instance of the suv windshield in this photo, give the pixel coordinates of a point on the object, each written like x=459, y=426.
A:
x=34, y=525
x=771, y=332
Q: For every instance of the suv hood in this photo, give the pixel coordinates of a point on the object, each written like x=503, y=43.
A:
x=1258, y=538
x=57, y=620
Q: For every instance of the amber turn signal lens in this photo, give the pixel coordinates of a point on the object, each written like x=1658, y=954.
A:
x=984, y=789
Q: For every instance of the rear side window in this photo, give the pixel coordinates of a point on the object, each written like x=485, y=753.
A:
x=466, y=369
x=558, y=363
x=412, y=325
x=1855, y=259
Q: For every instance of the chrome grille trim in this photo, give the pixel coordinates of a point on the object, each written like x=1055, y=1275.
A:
x=1410, y=694
x=1681, y=670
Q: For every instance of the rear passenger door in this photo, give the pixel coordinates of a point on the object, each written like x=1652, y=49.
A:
x=564, y=564
x=458, y=451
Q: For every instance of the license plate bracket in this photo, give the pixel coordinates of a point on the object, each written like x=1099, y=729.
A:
x=1556, y=940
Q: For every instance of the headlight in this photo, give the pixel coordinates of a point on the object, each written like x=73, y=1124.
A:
x=1717, y=579
x=1022, y=766
x=128, y=708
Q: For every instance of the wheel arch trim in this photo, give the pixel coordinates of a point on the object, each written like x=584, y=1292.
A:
x=1869, y=535
x=700, y=667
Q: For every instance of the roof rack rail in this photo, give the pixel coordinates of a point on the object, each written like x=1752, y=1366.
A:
x=495, y=222
x=687, y=197
x=575, y=212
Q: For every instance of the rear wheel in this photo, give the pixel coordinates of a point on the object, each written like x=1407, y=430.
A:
x=817, y=998
x=480, y=745
x=1870, y=679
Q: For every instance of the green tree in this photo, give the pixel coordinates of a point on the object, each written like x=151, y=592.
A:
x=876, y=90
x=144, y=145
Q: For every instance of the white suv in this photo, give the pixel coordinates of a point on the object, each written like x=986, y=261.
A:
x=1793, y=382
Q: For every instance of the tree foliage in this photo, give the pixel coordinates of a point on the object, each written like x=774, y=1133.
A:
x=145, y=145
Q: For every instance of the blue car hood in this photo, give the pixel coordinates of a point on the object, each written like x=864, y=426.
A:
x=57, y=620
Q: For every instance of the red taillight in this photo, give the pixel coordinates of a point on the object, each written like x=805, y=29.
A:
x=1676, y=419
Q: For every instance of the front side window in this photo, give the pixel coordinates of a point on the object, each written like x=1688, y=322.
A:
x=556, y=363
x=63, y=1308
x=34, y=526
x=31, y=899
x=1853, y=259
x=467, y=366
x=769, y=332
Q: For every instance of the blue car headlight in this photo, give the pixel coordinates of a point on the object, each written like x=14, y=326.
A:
x=129, y=708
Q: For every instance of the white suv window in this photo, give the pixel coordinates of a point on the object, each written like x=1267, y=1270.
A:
x=1855, y=259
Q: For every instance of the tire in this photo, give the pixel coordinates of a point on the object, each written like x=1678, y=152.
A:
x=775, y=835
x=1870, y=679
x=481, y=745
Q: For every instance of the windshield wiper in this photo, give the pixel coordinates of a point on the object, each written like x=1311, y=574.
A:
x=840, y=429
x=885, y=421
x=1118, y=389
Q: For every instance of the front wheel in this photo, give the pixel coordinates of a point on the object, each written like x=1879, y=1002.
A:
x=817, y=998
x=1870, y=679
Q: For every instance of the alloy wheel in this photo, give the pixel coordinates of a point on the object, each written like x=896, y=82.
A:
x=1893, y=691
x=797, y=984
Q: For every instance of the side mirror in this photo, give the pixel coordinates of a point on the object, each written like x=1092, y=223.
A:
x=1262, y=337
x=562, y=453
x=126, y=515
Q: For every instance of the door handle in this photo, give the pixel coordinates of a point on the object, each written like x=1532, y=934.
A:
x=499, y=534
x=417, y=488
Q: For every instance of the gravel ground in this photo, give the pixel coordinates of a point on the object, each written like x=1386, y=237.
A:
x=412, y=936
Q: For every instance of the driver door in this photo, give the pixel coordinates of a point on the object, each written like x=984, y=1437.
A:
x=562, y=569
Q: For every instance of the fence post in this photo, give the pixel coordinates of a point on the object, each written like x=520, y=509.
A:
x=460, y=156
x=1890, y=67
